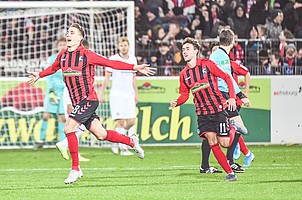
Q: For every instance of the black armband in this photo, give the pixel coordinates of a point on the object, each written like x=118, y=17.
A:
x=241, y=95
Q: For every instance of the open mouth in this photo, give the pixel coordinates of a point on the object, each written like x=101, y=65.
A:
x=68, y=40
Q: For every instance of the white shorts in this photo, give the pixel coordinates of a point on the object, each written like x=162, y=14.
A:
x=122, y=107
x=66, y=101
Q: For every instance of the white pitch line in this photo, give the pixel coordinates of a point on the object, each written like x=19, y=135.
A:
x=103, y=169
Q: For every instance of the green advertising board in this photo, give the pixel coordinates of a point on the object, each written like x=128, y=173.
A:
x=157, y=123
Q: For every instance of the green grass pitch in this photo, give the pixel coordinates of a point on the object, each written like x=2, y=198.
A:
x=165, y=173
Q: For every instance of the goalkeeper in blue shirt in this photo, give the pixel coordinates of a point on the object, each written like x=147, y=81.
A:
x=53, y=102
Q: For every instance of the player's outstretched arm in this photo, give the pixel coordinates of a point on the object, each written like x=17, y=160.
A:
x=34, y=76
x=145, y=69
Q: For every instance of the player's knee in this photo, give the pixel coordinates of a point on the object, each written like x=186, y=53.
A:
x=100, y=136
x=225, y=143
x=129, y=123
x=67, y=129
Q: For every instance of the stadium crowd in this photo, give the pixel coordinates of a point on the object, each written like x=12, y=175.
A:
x=268, y=33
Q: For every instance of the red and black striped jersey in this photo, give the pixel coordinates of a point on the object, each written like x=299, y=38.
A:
x=202, y=81
x=78, y=68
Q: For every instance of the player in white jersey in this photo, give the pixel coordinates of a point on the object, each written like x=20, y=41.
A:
x=123, y=95
x=62, y=146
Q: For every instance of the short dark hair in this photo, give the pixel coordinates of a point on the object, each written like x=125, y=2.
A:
x=192, y=41
x=226, y=37
x=79, y=27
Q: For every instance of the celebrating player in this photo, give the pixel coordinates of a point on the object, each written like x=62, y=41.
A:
x=78, y=67
x=200, y=77
x=62, y=146
x=123, y=95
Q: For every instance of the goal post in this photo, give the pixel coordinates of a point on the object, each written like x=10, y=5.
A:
x=29, y=31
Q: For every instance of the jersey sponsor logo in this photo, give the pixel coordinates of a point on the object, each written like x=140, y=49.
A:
x=187, y=78
x=204, y=71
x=199, y=86
x=81, y=58
x=71, y=72
x=62, y=59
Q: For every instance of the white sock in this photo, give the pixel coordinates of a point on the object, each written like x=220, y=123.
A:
x=249, y=153
x=123, y=131
x=64, y=143
x=79, y=132
x=131, y=130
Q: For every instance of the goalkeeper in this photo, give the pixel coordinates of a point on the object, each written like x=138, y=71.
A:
x=53, y=102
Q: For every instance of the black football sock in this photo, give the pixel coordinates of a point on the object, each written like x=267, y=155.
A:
x=231, y=149
x=205, y=152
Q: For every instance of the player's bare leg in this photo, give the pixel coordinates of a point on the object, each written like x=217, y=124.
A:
x=101, y=134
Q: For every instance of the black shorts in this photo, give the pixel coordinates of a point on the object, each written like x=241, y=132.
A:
x=217, y=123
x=84, y=112
x=230, y=113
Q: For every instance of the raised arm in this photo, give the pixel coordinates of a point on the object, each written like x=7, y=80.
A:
x=98, y=60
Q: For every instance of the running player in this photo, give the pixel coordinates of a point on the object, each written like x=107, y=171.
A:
x=78, y=66
x=62, y=146
x=200, y=77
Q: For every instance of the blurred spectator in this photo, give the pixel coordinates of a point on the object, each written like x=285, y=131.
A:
x=187, y=5
x=259, y=12
x=292, y=12
x=275, y=65
x=216, y=29
x=202, y=21
x=253, y=46
x=175, y=14
x=248, y=4
x=141, y=21
x=176, y=32
x=144, y=48
x=290, y=61
x=153, y=17
x=263, y=68
x=273, y=24
x=237, y=53
x=165, y=59
x=147, y=4
x=239, y=23
x=284, y=36
x=158, y=34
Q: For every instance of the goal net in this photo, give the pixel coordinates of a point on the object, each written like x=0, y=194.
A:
x=29, y=31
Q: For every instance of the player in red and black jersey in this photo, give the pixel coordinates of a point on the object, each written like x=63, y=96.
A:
x=200, y=77
x=78, y=67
